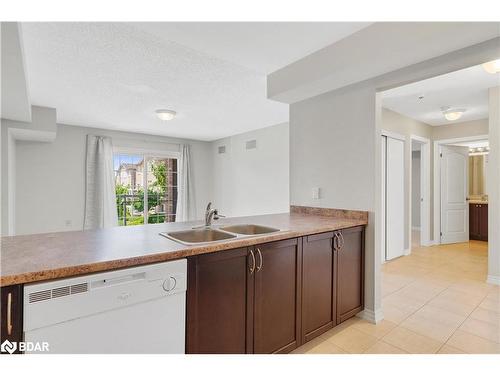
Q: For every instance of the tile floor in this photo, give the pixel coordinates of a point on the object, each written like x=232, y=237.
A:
x=435, y=300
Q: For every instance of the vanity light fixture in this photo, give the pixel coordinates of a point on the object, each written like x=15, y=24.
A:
x=165, y=114
x=492, y=67
x=452, y=114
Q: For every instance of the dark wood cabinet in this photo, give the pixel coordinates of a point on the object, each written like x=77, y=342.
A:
x=218, y=303
x=276, y=320
x=350, y=273
x=478, y=221
x=11, y=309
x=319, y=300
x=245, y=300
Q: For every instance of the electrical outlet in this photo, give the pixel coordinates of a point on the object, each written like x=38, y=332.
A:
x=315, y=193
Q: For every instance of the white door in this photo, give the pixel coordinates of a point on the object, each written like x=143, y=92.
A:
x=454, y=192
x=394, y=198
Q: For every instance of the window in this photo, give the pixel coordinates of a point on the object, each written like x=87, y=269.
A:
x=146, y=188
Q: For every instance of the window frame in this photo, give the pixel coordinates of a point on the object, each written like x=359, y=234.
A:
x=148, y=154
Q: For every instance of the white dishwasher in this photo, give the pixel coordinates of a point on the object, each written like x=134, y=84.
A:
x=133, y=310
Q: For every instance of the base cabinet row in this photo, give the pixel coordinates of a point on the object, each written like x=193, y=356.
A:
x=273, y=297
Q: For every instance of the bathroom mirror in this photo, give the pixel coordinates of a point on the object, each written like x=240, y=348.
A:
x=478, y=166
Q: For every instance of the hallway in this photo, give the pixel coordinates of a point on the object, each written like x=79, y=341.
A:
x=435, y=300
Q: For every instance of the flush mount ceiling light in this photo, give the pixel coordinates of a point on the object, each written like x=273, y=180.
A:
x=492, y=67
x=452, y=114
x=165, y=114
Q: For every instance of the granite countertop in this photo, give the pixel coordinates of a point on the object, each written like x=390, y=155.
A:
x=477, y=201
x=30, y=258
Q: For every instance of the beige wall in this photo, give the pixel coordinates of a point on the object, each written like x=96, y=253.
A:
x=494, y=188
x=460, y=130
x=406, y=126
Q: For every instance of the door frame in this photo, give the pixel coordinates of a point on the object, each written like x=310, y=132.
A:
x=437, y=178
x=383, y=238
x=425, y=183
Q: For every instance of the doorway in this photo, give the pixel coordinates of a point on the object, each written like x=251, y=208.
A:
x=461, y=197
x=420, y=190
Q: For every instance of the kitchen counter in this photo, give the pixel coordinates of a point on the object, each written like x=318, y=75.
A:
x=477, y=201
x=30, y=258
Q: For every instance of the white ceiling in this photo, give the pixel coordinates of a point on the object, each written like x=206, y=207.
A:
x=260, y=46
x=115, y=75
x=467, y=88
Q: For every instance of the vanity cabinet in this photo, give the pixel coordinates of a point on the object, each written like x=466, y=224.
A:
x=245, y=300
x=11, y=300
x=274, y=297
x=478, y=221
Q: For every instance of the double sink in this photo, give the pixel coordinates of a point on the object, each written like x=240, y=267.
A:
x=209, y=235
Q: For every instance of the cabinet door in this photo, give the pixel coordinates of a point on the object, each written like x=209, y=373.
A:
x=277, y=297
x=483, y=222
x=218, y=303
x=474, y=221
x=11, y=309
x=350, y=274
x=318, y=285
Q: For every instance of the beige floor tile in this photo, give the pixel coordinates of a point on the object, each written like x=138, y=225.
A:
x=450, y=304
x=396, y=314
x=490, y=304
x=448, y=349
x=433, y=322
x=326, y=347
x=381, y=347
x=488, y=316
x=353, y=340
x=482, y=329
x=460, y=296
x=411, y=342
x=470, y=343
x=378, y=330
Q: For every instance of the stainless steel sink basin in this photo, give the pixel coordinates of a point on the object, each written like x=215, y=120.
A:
x=249, y=229
x=197, y=236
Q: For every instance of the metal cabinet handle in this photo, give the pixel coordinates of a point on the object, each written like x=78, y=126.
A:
x=259, y=267
x=336, y=241
x=9, y=314
x=252, y=267
x=342, y=241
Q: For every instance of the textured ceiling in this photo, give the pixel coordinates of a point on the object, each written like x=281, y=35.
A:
x=260, y=46
x=467, y=89
x=114, y=76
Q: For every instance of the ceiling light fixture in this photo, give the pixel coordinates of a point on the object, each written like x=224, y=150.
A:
x=492, y=67
x=452, y=114
x=165, y=114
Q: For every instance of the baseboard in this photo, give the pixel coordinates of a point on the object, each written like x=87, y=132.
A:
x=495, y=280
x=371, y=316
x=406, y=251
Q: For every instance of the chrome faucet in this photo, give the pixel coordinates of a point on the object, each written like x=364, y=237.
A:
x=211, y=213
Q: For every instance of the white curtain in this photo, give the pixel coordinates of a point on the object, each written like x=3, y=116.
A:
x=100, y=196
x=186, y=207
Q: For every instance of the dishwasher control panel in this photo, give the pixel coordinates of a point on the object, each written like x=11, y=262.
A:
x=48, y=303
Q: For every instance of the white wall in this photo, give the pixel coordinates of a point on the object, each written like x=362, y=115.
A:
x=254, y=181
x=415, y=189
x=50, y=188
